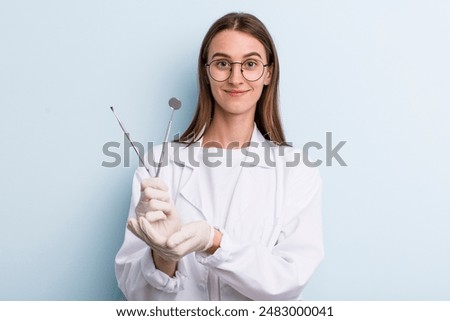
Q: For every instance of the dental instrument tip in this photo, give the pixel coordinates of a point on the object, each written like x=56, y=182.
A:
x=174, y=103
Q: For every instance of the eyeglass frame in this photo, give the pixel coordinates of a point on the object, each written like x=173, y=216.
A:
x=208, y=65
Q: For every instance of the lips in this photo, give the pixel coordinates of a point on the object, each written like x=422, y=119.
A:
x=235, y=92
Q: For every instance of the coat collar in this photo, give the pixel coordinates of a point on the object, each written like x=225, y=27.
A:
x=259, y=151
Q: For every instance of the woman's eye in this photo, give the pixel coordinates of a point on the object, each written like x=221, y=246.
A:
x=250, y=64
x=222, y=64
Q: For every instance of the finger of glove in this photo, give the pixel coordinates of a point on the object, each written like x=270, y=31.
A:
x=153, y=182
x=187, y=246
x=132, y=229
x=198, y=242
x=133, y=226
x=156, y=247
x=154, y=216
x=142, y=206
x=186, y=233
x=150, y=193
x=152, y=234
x=157, y=205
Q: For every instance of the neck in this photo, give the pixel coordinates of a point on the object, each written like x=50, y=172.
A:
x=229, y=132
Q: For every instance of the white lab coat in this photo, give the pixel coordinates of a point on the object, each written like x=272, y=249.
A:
x=271, y=244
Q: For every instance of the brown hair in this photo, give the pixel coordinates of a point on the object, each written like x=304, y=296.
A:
x=267, y=116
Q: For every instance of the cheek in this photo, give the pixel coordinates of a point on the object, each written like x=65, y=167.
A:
x=215, y=90
x=258, y=89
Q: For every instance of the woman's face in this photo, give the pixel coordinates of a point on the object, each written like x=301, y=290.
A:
x=236, y=95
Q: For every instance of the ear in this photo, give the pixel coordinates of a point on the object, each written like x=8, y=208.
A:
x=268, y=76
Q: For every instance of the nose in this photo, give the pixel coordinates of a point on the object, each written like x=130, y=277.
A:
x=236, y=74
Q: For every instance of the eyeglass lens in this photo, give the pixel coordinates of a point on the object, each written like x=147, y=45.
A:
x=251, y=69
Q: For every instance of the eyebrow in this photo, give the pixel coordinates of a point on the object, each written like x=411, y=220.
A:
x=221, y=54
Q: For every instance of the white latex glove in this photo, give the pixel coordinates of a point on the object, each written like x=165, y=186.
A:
x=192, y=237
x=156, y=215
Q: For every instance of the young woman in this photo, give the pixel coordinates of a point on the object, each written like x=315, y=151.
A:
x=234, y=215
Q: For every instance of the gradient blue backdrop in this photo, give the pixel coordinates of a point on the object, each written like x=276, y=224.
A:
x=374, y=73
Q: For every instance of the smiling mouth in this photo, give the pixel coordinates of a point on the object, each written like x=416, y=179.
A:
x=236, y=92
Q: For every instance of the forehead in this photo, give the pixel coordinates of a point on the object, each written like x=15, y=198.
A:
x=235, y=44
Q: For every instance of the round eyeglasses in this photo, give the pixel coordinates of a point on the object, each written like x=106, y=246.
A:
x=251, y=69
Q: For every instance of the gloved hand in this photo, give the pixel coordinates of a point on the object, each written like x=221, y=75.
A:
x=192, y=237
x=156, y=216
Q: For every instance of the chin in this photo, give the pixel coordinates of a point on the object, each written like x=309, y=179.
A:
x=236, y=108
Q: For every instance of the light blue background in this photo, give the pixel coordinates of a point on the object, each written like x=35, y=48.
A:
x=374, y=73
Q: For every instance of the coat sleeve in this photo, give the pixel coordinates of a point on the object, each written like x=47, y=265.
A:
x=135, y=271
x=280, y=272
